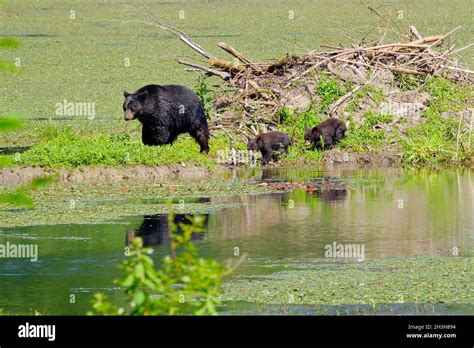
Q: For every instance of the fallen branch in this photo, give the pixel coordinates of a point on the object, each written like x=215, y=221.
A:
x=222, y=74
x=232, y=51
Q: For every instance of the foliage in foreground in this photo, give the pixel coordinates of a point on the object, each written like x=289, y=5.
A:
x=19, y=197
x=184, y=283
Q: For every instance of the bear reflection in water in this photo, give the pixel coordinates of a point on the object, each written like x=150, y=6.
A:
x=154, y=228
x=330, y=195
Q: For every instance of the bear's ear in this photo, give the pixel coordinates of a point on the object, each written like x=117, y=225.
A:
x=143, y=95
x=126, y=94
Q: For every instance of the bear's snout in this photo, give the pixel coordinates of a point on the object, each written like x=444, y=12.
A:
x=307, y=142
x=128, y=115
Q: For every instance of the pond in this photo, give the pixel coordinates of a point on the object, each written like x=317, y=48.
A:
x=391, y=216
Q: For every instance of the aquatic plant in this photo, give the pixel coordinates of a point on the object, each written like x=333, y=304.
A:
x=183, y=284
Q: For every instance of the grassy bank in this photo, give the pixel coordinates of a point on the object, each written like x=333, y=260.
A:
x=441, y=139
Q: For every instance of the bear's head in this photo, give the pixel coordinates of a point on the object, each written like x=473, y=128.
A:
x=253, y=144
x=312, y=136
x=133, y=104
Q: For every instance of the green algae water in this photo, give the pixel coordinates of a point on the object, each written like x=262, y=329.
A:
x=370, y=241
x=134, y=54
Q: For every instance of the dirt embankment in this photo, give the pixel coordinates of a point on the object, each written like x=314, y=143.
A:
x=188, y=171
x=15, y=176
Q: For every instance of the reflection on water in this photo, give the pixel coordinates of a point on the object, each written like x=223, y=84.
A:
x=155, y=229
x=333, y=195
x=393, y=213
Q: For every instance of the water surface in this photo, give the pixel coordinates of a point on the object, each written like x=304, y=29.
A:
x=393, y=213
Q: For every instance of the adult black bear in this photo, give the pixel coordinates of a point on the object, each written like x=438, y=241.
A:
x=165, y=112
x=327, y=134
x=268, y=143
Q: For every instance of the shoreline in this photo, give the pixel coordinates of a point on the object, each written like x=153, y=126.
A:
x=99, y=174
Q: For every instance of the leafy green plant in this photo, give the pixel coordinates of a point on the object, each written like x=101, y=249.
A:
x=204, y=93
x=296, y=124
x=8, y=42
x=183, y=284
x=364, y=139
x=20, y=197
x=329, y=90
x=439, y=141
x=9, y=123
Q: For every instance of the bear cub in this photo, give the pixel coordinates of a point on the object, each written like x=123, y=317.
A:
x=270, y=145
x=165, y=112
x=326, y=135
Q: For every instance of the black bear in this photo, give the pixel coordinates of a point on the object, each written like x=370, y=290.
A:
x=165, y=112
x=326, y=135
x=268, y=143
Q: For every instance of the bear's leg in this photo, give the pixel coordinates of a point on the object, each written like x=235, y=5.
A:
x=328, y=142
x=320, y=143
x=202, y=138
x=266, y=155
x=339, y=134
x=155, y=136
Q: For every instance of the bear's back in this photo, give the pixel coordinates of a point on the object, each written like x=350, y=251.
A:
x=173, y=93
x=277, y=136
x=330, y=125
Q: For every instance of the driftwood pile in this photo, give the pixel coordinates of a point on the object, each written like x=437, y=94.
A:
x=261, y=90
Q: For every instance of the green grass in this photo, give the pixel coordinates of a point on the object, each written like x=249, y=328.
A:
x=366, y=137
x=447, y=96
x=34, y=132
x=105, y=150
x=295, y=124
x=436, y=142
x=366, y=92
